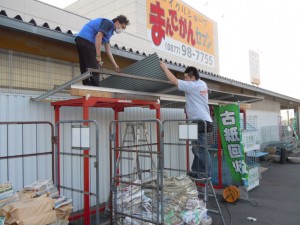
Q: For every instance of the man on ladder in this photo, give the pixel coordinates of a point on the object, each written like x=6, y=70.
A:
x=196, y=94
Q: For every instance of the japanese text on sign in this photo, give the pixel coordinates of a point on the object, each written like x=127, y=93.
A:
x=177, y=29
x=231, y=135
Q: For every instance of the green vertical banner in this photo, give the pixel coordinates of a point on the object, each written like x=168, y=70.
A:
x=228, y=117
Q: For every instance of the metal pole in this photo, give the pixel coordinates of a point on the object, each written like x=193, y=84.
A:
x=63, y=86
x=97, y=174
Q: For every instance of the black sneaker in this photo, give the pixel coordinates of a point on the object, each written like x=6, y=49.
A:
x=192, y=175
x=196, y=176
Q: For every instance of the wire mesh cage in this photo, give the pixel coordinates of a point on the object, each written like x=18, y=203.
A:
x=136, y=156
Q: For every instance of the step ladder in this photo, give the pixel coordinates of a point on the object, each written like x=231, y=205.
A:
x=208, y=185
x=135, y=136
x=206, y=181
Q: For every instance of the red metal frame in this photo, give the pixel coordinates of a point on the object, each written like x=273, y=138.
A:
x=117, y=105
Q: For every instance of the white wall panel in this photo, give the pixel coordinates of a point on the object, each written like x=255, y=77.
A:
x=20, y=108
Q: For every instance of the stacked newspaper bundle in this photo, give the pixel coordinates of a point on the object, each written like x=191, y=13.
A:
x=7, y=195
x=178, y=192
x=63, y=207
x=61, y=200
x=130, y=197
x=132, y=200
x=42, y=187
x=180, y=202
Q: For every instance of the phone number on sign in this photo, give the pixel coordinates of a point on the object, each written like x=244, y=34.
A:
x=190, y=53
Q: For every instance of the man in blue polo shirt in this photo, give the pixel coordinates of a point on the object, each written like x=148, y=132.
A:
x=89, y=40
x=196, y=94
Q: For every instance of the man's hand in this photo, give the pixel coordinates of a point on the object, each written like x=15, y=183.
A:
x=99, y=60
x=168, y=73
x=117, y=68
x=163, y=65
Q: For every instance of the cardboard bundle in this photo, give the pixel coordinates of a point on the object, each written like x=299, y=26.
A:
x=35, y=211
x=42, y=219
x=64, y=212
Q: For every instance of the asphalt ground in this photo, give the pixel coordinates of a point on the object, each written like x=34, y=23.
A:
x=276, y=201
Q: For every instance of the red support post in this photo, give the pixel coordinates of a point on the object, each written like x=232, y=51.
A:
x=86, y=170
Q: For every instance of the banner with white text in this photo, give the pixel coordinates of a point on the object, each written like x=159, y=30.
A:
x=228, y=117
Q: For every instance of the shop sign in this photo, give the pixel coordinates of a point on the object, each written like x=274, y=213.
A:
x=228, y=117
x=178, y=29
x=253, y=179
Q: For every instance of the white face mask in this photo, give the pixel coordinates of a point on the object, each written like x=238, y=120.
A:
x=119, y=30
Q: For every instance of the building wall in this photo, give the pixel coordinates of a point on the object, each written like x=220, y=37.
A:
x=265, y=116
x=135, y=36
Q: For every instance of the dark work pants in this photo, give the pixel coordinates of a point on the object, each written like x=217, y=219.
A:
x=199, y=151
x=87, y=59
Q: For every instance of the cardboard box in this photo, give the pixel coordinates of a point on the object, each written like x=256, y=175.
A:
x=42, y=219
x=27, y=208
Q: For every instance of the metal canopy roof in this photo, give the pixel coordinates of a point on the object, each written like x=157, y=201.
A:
x=223, y=97
x=149, y=68
x=56, y=34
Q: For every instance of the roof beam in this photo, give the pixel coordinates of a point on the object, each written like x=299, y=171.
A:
x=63, y=86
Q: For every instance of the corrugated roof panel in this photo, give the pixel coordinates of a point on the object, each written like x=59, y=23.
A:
x=148, y=67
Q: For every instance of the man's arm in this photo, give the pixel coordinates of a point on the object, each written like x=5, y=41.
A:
x=98, y=44
x=168, y=73
x=110, y=56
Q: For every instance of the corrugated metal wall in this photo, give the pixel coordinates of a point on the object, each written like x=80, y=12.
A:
x=17, y=107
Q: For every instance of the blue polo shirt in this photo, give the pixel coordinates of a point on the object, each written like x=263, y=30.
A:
x=90, y=30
